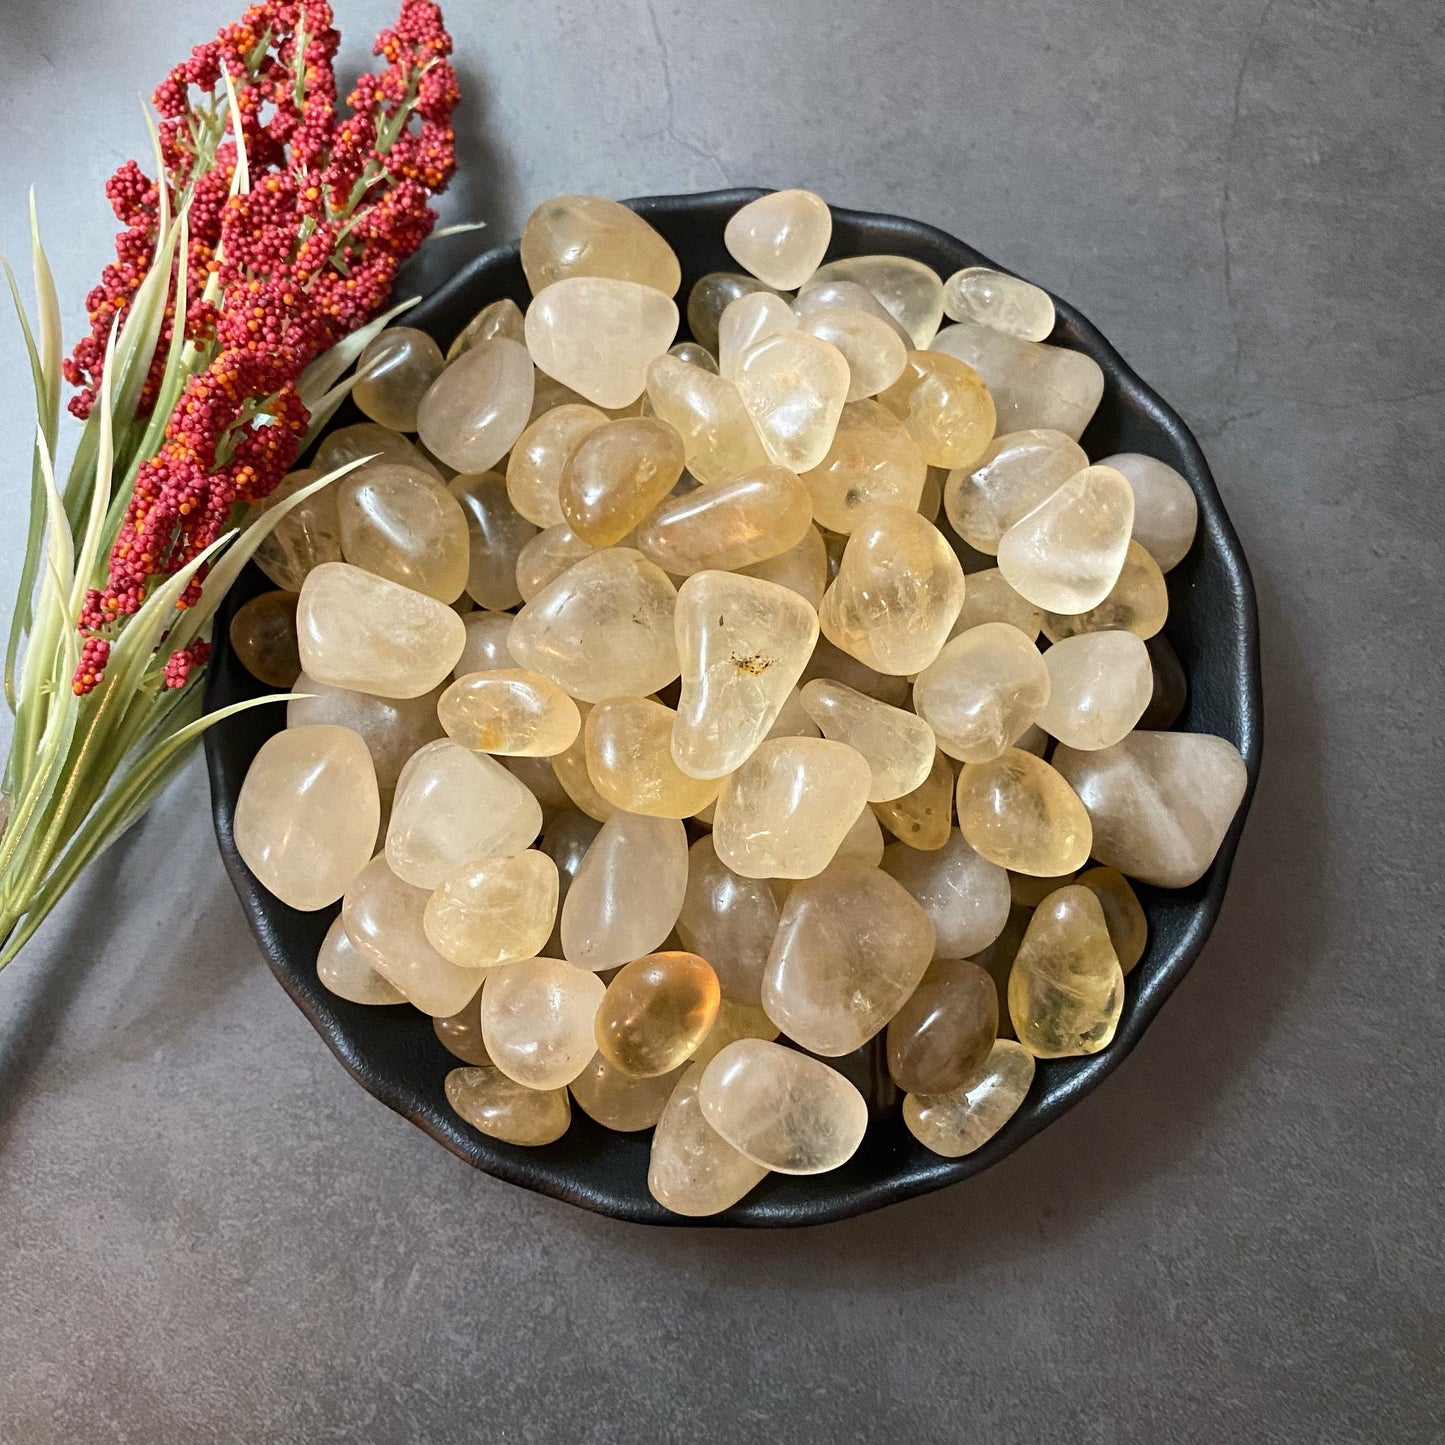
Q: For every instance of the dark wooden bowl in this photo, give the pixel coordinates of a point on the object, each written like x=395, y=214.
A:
x=393, y=1053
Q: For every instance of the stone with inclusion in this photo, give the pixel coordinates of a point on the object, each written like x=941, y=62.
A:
x=1020, y=813
x=534, y=470
x=896, y=744
x=629, y=759
x=873, y=461
x=392, y=729
x=500, y=1107
x=655, y=1012
x=851, y=946
x=898, y=590
x=263, y=637
x=847, y=296
x=460, y=1034
x=607, y=918
x=1018, y=471
x=693, y=1170
x=833, y=663
x=393, y=374
x=1166, y=512
x=547, y=556
x=307, y=814
x=923, y=818
x=872, y=348
x=959, y=1122
x=1099, y=685
x=995, y=299
x=599, y=335
x=478, y=406
x=496, y=318
x=382, y=915
x=1067, y=553
x=802, y=569
x=1138, y=602
x=990, y=599
x=486, y=644
x=1160, y=802
x=537, y=1020
x=966, y=897
x=616, y=475
x=511, y=711
x=911, y=291
x=710, y=296
x=794, y=386
x=1066, y=989
x=619, y=1101
x=404, y=525
x=945, y=405
x=748, y=320
x=1032, y=385
x=942, y=1035
x=347, y=974
x=604, y=628
x=308, y=535
x=786, y=810
x=719, y=439
x=742, y=645
x=729, y=920
x=780, y=238
x=363, y=632
x=364, y=441
x=982, y=691
x=591, y=236
x=1123, y=913
x=728, y=525
x=784, y=1110
x=494, y=910
x=454, y=806
x=496, y=535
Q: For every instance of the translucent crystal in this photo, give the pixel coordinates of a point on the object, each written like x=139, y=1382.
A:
x=496, y=535
x=590, y=236
x=1123, y=913
x=873, y=461
x=537, y=1020
x=546, y=557
x=496, y=318
x=729, y=920
x=1018, y=471
x=263, y=637
x=871, y=347
x=364, y=441
x=849, y=296
x=780, y=238
x=802, y=569
x=460, y=1034
x=748, y=320
x=794, y=387
x=478, y=406
x=629, y=759
x=404, y=525
x=922, y=818
x=344, y=972
x=990, y=599
x=486, y=644
x=897, y=745
x=570, y=768
x=693, y=1170
x=619, y=1101
x=863, y=842
x=965, y=896
x=997, y=300
x=494, y=910
x=498, y=1106
x=719, y=439
x=393, y=374
x=1099, y=686
x=655, y=1013
x=943, y=1034
x=616, y=475
x=911, y=291
x=1166, y=513
x=392, y=729
x=308, y=535
x=511, y=711
x=534, y=470
x=960, y=1122
x=565, y=840
x=710, y=296
x=945, y=406
x=1138, y=602
x=1018, y=812
x=695, y=355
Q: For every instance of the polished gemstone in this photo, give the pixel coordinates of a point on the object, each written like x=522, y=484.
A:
x=493, y=910
x=965, y=896
x=958, y=1123
x=537, y=1020
x=478, y=406
x=655, y=1013
x=1020, y=813
x=498, y=1106
x=591, y=236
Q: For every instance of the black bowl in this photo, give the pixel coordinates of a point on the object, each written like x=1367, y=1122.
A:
x=393, y=1052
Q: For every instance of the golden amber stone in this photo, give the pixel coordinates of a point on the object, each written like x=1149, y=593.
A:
x=1138, y=602
x=460, y=1034
x=546, y=557
x=1018, y=471
x=965, y=896
x=308, y=535
x=729, y=920
x=910, y=291
x=655, y=1013
x=616, y=475
x=989, y=598
x=693, y=1170
x=710, y=296
x=1166, y=514
x=629, y=759
x=1000, y=301
x=510, y=711
x=263, y=637
x=923, y=818
x=1123, y=913
x=619, y=1101
x=347, y=974
x=896, y=744
x=1018, y=812
x=847, y=296
x=591, y=236
x=570, y=769
x=534, y=470
x=494, y=910
x=500, y=1107
x=478, y=406
x=957, y=1123
x=402, y=524
x=496, y=535
x=750, y=319
x=794, y=386
x=943, y=1034
x=1066, y=989
x=802, y=569
x=719, y=439
x=873, y=461
x=871, y=347
x=1099, y=685
x=734, y=1021
x=945, y=406
x=392, y=729
x=364, y=441
x=537, y=1020
x=496, y=318
x=393, y=374
x=780, y=237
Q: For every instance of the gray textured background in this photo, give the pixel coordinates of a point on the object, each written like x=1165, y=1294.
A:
x=208, y=1233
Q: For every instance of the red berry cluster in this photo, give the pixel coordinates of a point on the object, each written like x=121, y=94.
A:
x=275, y=274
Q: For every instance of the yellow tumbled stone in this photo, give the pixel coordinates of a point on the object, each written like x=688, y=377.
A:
x=1099, y=685
x=710, y=296
x=498, y=1106
x=1000, y=301
x=655, y=1013
x=1123, y=913
x=393, y=374
x=781, y=237
x=945, y=406
x=692, y=1169
x=537, y=1020
x=477, y=407
x=534, y=470
x=910, y=291
x=308, y=535
x=365, y=441
x=619, y=1101
x=966, y=897
x=496, y=535
x=392, y=728
x=511, y=711
x=897, y=745
x=346, y=973
x=802, y=568
x=958, y=1123
x=486, y=644
x=460, y=1034
x=1018, y=471
x=493, y=910
x=616, y=475
x=591, y=236
x=1166, y=512
x=1018, y=812
x=873, y=461
x=719, y=439
x=748, y=320
x=629, y=759
x=496, y=318
x=871, y=347
x=547, y=556
x=943, y=1034
x=729, y=920
x=1138, y=602
x=794, y=386
x=402, y=524
x=923, y=818
x=990, y=599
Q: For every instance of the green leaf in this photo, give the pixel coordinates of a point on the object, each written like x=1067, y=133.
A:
x=325, y=370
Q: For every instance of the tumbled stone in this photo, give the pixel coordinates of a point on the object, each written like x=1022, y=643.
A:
x=1066, y=989
x=510, y=711
x=534, y=470
x=873, y=461
x=695, y=354
x=898, y=590
x=924, y=817
x=619, y=1101
x=565, y=840
x=404, y=525
x=629, y=759
x=1171, y=687
x=793, y=386
x=848, y=296
x=393, y=374
x=802, y=569
x=536, y=775
x=930, y=501
x=734, y=1021
x=1000, y=301
x=496, y=318
x=307, y=814
x=1099, y=686
x=1018, y=812
x=729, y=920
x=719, y=439
x=346, y=973
x=460, y=1034
x=742, y=644
x=604, y=628
x=997, y=959
x=781, y=237
x=862, y=843
x=263, y=637
x=945, y=406
x=896, y=744
x=911, y=291
x=591, y=236
x=496, y=535
x=1018, y=471
x=537, y=1020
x=655, y=1013
x=836, y=665
x=478, y=406
x=965, y=896
x=872, y=348
x=392, y=729
x=692, y=1169
x=1160, y=802
x=606, y=918
x=616, y=475
x=546, y=557
x=958, y=1123
x=486, y=644
x=500, y=1107
x=1138, y=602
x=784, y=812
x=1166, y=512
x=748, y=320
x=943, y=1034
x=494, y=910
x=782, y=1109
x=989, y=598
x=366, y=442
x=1123, y=913
x=793, y=720
x=570, y=770
x=308, y=535
x=710, y=296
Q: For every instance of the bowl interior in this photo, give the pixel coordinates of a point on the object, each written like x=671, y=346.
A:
x=393, y=1052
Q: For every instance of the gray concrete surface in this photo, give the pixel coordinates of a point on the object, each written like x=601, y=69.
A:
x=208, y=1233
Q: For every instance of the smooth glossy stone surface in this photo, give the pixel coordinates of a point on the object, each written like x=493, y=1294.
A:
x=604, y=628
x=496, y=318
x=346, y=973
x=546, y=557
x=590, y=236
x=393, y=374
x=965, y=897
x=694, y=354
x=308, y=535
x=782, y=1109
x=570, y=770
x=742, y=646
x=734, y=1021
x=1166, y=513
x=655, y=1013
x=873, y=461
x=307, y=814
x=1066, y=989
x=599, y=335
x=486, y=644
x=263, y=637
x=454, y=806
x=616, y=475
x=729, y=920
x=534, y=470
x=710, y=296
x=382, y=916
x=692, y=1169
x=930, y=501
x=493, y=911
x=982, y=691
x=784, y=812
x=402, y=524
x=1067, y=553
x=896, y=744
x=1004, y=303
x=989, y=598
x=1138, y=602
x=511, y=711
x=898, y=591
x=1099, y=685
x=910, y=291
x=607, y=918
x=500, y=1107
x=1018, y=471
x=460, y=1034
x=478, y=406
x=960, y=1122
x=496, y=535
x=943, y=1034
x=629, y=759
x=922, y=818
x=1160, y=802
x=1171, y=687
x=1020, y=813
x=851, y=946
x=847, y=295
x=537, y=1020
x=392, y=729
x=793, y=386
x=945, y=406
x=565, y=840
x=998, y=958
x=802, y=569
x=364, y=441
x=833, y=663
x=619, y=1101
x=872, y=348
x=780, y=238
x=1123, y=913
x=747, y=321
x=719, y=439
x=863, y=842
